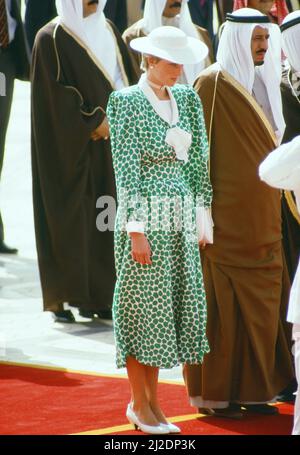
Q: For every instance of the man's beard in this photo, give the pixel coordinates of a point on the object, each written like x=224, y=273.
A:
x=260, y=62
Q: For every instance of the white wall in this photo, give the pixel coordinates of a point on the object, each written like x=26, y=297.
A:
x=134, y=10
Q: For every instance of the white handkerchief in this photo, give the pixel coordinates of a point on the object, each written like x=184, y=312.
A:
x=181, y=141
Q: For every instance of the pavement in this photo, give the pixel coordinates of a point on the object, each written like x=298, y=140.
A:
x=27, y=334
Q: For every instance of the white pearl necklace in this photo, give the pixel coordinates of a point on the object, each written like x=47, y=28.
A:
x=158, y=87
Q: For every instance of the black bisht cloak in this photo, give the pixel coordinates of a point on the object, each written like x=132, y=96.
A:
x=70, y=92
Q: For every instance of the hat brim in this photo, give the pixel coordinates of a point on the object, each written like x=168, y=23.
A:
x=194, y=52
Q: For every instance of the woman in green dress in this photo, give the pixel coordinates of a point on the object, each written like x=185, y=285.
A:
x=160, y=156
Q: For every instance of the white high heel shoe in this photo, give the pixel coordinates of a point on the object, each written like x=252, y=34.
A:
x=151, y=429
x=171, y=427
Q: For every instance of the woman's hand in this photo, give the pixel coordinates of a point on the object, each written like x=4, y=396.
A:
x=202, y=244
x=140, y=248
x=102, y=132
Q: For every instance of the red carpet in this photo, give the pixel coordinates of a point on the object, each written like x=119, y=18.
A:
x=53, y=402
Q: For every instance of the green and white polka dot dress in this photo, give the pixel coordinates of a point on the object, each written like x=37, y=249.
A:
x=160, y=309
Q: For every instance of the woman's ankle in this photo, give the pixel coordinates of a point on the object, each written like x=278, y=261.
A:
x=157, y=411
x=139, y=405
x=146, y=415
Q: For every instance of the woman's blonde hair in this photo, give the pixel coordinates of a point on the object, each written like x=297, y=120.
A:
x=144, y=63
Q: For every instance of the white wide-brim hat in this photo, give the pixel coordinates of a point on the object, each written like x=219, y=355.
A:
x=172, y=44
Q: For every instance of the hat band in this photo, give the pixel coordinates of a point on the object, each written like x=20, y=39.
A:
x=165, y=46
x=248, y=19
x=289, y=24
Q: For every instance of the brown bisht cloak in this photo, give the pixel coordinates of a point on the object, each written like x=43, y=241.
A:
x=290, y=215
x=136, y=31
x=244, y=274
x=70, y=92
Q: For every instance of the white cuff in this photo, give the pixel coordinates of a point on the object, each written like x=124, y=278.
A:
x=205, y=225
x=135, y=226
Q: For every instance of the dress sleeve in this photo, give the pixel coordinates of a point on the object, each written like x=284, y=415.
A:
x=126, y=152
x=196, y=170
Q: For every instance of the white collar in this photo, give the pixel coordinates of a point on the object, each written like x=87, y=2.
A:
x=154, y=101
x=176, y=137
